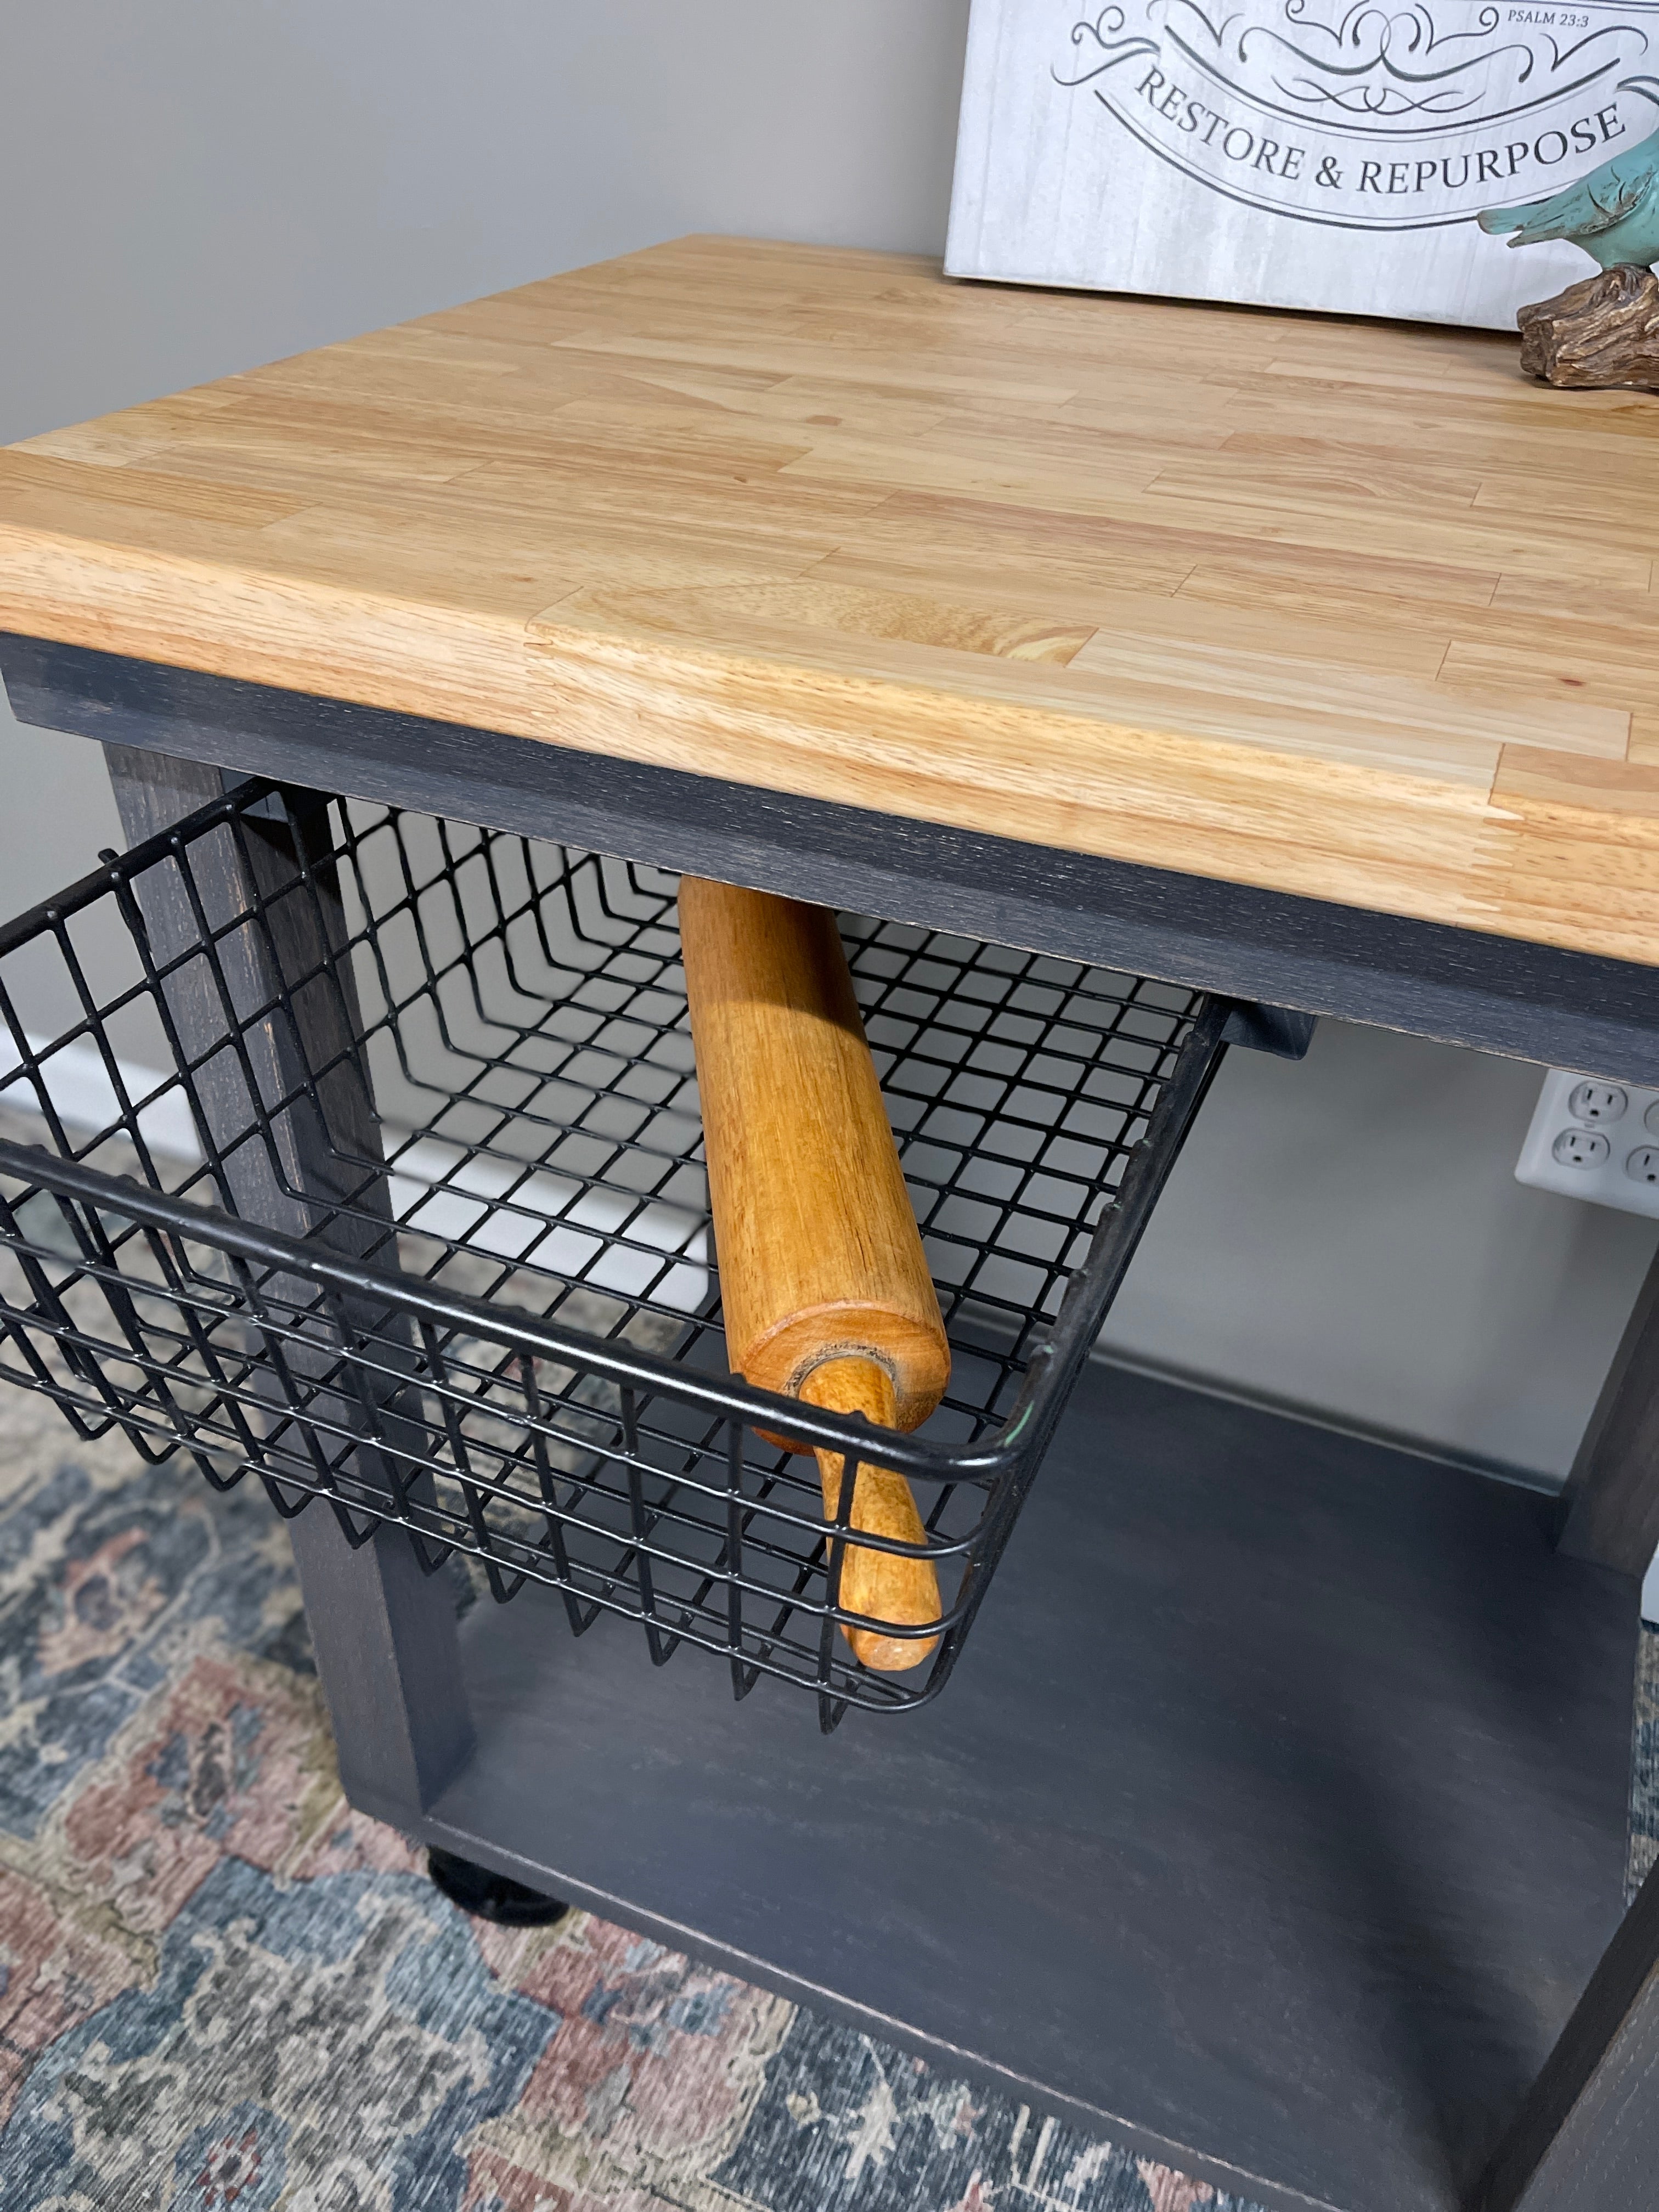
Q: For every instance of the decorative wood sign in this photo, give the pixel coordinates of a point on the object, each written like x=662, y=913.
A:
x=1290, y=153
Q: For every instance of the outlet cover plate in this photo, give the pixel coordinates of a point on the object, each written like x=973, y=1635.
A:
x=1572, y=1110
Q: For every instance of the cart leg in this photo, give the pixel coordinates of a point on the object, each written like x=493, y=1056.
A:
x=1610, y=1508
x=384, y=1632
x=1587, y=2138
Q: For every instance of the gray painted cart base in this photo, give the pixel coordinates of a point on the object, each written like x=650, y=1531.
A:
x=1282, y=1861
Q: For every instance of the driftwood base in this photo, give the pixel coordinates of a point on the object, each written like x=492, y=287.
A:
x=1597, y=335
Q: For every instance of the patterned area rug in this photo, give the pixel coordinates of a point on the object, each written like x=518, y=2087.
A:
x=222, y=1991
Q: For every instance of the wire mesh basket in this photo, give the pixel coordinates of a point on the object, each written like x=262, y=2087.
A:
x=380, y=1174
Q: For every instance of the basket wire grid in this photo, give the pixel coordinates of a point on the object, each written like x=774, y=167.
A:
x=382, y=1175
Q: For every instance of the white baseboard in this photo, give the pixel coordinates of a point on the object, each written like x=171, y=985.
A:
x=570, y=1225
x=85, y=1097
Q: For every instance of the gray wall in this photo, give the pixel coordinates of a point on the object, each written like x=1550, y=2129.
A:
x=196, y=188
x=1347, y=1234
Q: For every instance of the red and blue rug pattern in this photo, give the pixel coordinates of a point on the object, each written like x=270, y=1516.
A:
x=221, y=1990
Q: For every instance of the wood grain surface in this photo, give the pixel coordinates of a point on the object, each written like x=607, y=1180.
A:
x=825, y=1292
x=882, y=1586
x=819, y=1255
x=1322, y=606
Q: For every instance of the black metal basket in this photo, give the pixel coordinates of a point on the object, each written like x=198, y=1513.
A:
x=381, y=1176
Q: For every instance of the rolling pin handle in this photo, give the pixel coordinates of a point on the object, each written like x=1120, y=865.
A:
x=882, y=1585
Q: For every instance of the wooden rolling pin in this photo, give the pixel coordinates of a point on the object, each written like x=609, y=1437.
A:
x=825, y=1289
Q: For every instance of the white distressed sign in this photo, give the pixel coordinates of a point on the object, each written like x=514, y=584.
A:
x=1291, y=153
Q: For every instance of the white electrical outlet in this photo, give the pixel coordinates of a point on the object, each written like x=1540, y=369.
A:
x=1596, y=1141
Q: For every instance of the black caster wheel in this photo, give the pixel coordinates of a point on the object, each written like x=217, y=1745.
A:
x=489, y=1896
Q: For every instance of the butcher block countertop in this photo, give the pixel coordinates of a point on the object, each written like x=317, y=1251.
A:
x=1343, y=609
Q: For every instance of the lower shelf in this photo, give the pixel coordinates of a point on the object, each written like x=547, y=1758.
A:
x=1272, y=1827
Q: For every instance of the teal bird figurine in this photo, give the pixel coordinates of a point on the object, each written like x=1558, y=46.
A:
x=1613, y=213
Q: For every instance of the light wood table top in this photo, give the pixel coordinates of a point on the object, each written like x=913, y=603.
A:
x=1342, y=609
